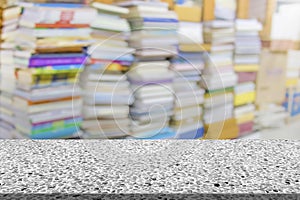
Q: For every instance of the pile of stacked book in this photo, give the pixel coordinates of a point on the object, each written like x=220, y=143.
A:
x=9, y=15
x=247, y=59
x=271, y=115
x=107, y=93
x=292, y=68
x=50, y=42
x=291, y=102
x=155, y=38
x=219, y=79
x=187, y=66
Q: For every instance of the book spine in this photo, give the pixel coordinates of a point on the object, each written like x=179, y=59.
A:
x=57, y=25
x=56, y=125
x=74, y=119
x=39, y=62
x=61, y=133
x=148, y=19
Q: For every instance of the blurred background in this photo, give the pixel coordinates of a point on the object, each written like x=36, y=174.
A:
x=156, y=69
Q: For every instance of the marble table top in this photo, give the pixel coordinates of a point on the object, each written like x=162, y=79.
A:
x=135, y=166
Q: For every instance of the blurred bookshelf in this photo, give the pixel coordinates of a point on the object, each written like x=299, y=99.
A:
x=118, y=69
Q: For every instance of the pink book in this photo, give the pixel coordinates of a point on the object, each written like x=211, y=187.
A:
x=246, y=77
x=246, y=128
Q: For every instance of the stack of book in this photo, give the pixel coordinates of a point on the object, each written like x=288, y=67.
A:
x=9, y=15
x=271, y=115
x=292, y=68
x=107, y=93
x=50, y=54
x=247, y=59
x=155, y=38
x=187, y=66
x=219, y=78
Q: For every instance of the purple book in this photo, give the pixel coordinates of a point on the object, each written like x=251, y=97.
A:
x=154, y=82
x=39, y=62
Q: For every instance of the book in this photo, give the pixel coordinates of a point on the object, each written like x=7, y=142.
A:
x=106, y=89
x=9, y=15
x=227, y=129
x=61, y=16
x=219, y=77
x=50, y=52
x=154, y=36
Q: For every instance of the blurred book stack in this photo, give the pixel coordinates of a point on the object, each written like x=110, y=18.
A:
x=50, y=53
x=271, y=116
x=107, y=93
x=187, y=67
x=9, y=16
x=292, y=96
x=292, y=68
x=218, y=75
x=247, y=60
x=154, y=37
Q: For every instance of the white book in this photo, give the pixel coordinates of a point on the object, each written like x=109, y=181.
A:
x=119, y=25
x=219, y=24
x=100, y=49
x=51, y=15
x=105, y=122
x=109, y=111
x=244, y=87
x=218, y=100
x=62, y=32
x=155, y=4
x=104, y=77
x=154, y=76
x=25, y=119
x=22, y=105
x=190, y=33
x=110, y=8
x=187, y=112
x=241, y=110
x=184, y=102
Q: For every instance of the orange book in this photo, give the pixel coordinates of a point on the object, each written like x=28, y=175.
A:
x=188, y=13
x=242, y=9
x=208, y=10
x=49, y=101
x=61, y=25
x=59, y=49
x=227, y=129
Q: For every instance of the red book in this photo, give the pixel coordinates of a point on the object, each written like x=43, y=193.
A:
x=61, y=25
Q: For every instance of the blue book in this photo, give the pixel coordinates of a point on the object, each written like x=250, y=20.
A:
x=167, y=20
x=66, y=67
x=62, y=133
x=296, y=105
x=50, y=124
x=165, y=133
x=195, y=134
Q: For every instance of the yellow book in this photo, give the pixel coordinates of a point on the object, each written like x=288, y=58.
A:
x=245, y=118
x=226, y=91
x=291, y=82
x=227, y=129
x=242, y=9
x=208, y=10
x=244, y=98
x=193, y=47
x=188, y=13
x=246, y=68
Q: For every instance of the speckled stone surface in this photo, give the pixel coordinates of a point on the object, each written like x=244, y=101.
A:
x=131, y=166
